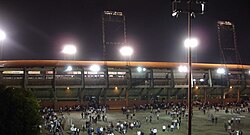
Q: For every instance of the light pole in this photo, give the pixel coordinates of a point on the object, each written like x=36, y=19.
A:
x=190, y=7
x=2, y=37
x=69, y=50
x=127, y=52
x=190, y=43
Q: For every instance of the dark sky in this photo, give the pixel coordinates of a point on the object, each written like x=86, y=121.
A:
x=37, y=29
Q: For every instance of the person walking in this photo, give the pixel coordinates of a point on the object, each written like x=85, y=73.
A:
x=82, y=115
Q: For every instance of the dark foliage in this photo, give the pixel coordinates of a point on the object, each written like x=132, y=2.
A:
x=19, y=112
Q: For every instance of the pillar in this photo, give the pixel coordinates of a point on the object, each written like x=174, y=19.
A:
x=25, y=78
x=126, y=97
x=54, y=89
x=238, y=95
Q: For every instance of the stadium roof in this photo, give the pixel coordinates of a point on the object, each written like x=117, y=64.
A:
x=60, y=63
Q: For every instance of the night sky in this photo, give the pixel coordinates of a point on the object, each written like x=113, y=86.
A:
x=37, y=29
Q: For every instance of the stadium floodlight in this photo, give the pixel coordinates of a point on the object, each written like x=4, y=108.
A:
x=69, y=49
x=191, y=42
x=94, y=68
x=126, y=51
x=140, y=69
x=175, y=14
x=221, y=71
x=183, y=69
x=2, y=35
x=69, y=68
x=201, y=80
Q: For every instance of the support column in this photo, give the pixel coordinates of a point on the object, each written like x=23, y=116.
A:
x=78, y=94
x=126, y=97
x=83, y=85
x=223, y=96
x=105, y=97
x=151, y=78
x=205, y=95
x=129, y=78
x=172, y=79
x=141, y=95
x=210, y=82
x=25, y=78
x=148, y=97
x=1, y=77
x=82, y=78
x=106, y=75
x=55, y=99
x=238, y=95
x=168, y=94
x=54, y=89
x=100, y=95
x=243, y=79
x=129, y=83
x=81, y=96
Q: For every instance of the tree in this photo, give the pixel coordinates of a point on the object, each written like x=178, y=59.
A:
x=19, y=112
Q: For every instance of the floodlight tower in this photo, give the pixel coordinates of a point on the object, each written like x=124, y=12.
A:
x=191, y=8
x=113, y=18
x=228, y=43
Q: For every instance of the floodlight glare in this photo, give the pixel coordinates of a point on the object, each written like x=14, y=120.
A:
x=191, y=42
x=139, y=69
x=183, y=69
x=95, y=68
x=2, y=35
x=69, y=68
x=69, y=49
x=175, y=14
x=201, y=80
x=221, y=71
x=202, y=7
x=126, y=51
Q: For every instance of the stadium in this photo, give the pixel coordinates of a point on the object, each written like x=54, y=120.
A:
x=59, y=83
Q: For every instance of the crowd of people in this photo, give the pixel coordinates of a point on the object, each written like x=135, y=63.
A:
x=175, y=111
x=55, y=123
x=234, y=108
x=52, y=122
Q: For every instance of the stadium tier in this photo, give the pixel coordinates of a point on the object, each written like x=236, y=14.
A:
x=61, y=82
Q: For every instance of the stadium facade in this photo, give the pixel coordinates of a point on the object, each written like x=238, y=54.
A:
x=120, y=83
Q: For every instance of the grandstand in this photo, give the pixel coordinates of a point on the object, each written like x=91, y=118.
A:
x=119, y=83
